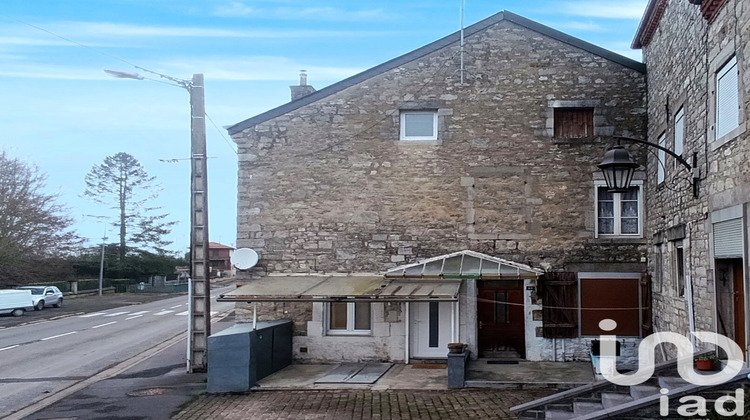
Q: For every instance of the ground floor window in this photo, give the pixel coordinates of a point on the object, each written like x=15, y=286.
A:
x=348, y=318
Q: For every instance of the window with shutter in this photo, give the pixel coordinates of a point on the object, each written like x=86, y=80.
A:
x=727, y=98
x=679, y=134
x=573, y=123
x=559, y=291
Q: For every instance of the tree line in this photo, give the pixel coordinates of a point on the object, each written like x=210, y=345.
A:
x=38, y=243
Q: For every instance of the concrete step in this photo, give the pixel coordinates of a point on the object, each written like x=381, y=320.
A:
x=672, y=382
x=559, y=415
x=613, y=399
x=586, y=407
x=641, y=391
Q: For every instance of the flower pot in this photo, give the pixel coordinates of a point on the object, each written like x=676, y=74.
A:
x=456, y=348
x=701, y=364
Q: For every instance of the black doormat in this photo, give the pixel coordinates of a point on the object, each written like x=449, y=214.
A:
x=502, y=362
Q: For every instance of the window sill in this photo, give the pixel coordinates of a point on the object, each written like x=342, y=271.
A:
x=576, y=140
x=726, y=138
x=331, y=333
x=411, y=142
x=621, y=238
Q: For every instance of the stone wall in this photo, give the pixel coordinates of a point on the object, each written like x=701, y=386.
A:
x=682, y=59
x=330, y=188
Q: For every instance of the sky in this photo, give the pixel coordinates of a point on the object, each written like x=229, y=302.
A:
x=62, y=113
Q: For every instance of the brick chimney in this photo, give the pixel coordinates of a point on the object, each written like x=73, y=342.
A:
x=303, y=89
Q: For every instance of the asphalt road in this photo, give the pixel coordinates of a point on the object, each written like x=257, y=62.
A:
x=42, y=357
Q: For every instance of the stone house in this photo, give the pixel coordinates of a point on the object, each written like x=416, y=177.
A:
x=220, y=260
x=698, y=101
x=422, y=202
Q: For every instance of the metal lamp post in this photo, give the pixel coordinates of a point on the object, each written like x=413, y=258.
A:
x=199, y=327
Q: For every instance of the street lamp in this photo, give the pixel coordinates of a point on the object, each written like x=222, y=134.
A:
x=199, y=327
x=618, y=166
x=104, y=243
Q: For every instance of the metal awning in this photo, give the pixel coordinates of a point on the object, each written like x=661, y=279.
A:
x=465, y=264
x=350, y=288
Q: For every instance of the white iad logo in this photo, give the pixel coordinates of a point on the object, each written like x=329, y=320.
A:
x=646, y=362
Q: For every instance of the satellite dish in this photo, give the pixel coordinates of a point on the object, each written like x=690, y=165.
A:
x=244, y=258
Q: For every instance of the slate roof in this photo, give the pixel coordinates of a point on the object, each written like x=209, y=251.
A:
x=430, y=48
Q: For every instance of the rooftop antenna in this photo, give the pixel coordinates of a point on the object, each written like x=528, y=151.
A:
x=461, y=14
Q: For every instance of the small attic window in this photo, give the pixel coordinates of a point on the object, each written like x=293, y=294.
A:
x=574, y=123
x=419, y=125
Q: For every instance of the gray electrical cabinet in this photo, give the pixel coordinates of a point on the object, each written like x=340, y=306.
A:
x=240, y=356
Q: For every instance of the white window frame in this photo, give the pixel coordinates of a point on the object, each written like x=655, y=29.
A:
x=618, y=211
x=680, y=281
x=434, y=135
x=661, y=158
x=725, y=124
x=679, y=134
x=350, y=330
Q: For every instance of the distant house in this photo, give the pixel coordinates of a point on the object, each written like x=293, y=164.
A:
x=699, y=93
x=422, y=202
x=220, y=260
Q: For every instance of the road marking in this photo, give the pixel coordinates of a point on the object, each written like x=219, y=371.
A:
x=182, y=313
x=132, y=317
x=117, y=313
x=90, y=315
x=140, y=312
x=9, y=347
x=175, y=306
x=104, y=325
x=163, y=312
x=58, y=336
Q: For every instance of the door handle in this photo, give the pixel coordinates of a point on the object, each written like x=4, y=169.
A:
x=481, y=324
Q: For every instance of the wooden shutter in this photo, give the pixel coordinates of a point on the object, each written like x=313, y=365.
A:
x=573, y=123
x=647, y=325
x=559, y=292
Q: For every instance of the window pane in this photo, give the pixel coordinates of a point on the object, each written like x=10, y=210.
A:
x=632, y=194
x=338, y=316
x=604, y=194
x=606, y=225
x=606, y=209
x=727, y=99
x=419, y=124
x=361, y=316
x=679, y=131
x=629, y=225
x=630, y=209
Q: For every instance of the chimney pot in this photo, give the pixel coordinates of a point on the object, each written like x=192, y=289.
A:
x=303, y=77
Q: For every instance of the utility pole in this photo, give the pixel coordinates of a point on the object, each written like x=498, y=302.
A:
x=200, y=304
x=199, y=323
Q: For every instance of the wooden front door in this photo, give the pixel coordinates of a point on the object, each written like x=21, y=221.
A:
x=501, y=316
x=738, y=292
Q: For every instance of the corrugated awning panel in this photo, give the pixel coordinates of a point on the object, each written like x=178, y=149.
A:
x=342, y=289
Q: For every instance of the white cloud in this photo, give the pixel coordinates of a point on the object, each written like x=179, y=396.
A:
x=240, y=9
x=624, y=9
x=234, y=9
x=580, y=26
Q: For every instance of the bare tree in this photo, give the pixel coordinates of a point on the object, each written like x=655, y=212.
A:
x=121, y=182
x=35, y=231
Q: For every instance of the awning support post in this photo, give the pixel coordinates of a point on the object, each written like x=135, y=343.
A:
x=408, y=339
x=255, y=315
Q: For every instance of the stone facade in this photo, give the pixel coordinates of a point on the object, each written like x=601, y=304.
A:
x=327, y=186
x=683, y=52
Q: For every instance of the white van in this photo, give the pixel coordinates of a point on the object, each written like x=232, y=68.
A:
x=15, y=302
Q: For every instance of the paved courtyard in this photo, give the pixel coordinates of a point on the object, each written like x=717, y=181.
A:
x=360, y=404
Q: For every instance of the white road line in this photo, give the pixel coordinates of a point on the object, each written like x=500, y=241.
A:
x=117, y=313
x=9, y=347
x=175, y=306
x=182, y=313
x=163, y=312
x=133, y=317
x=90, y=315
x=58, y=336
x=140, y=312
x=186, y=312
x=104, y=325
